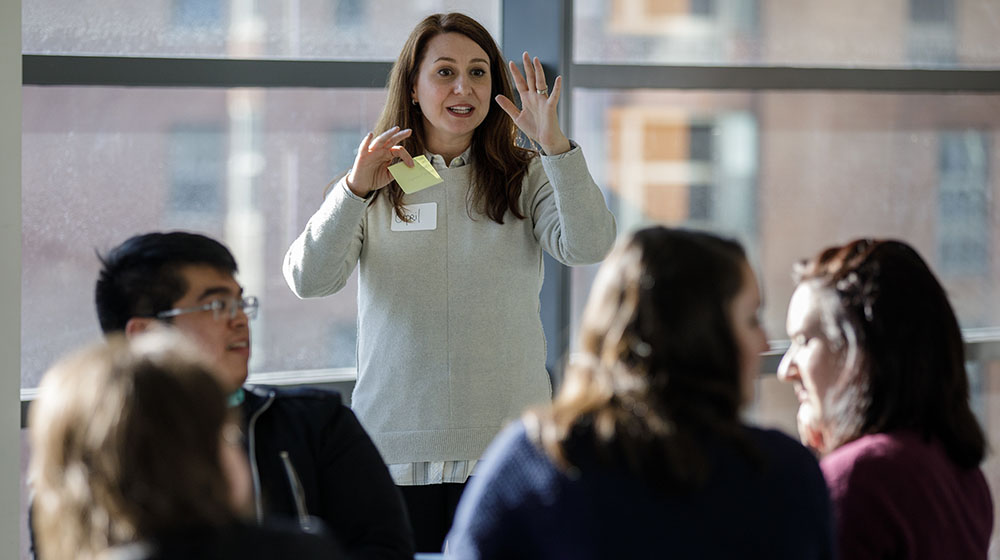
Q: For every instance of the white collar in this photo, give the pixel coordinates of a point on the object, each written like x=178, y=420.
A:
x=460, y=160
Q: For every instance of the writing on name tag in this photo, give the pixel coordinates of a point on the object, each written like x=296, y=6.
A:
x=422, y=217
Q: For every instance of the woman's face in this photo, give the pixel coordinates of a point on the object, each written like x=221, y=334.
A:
x=813, y=362
x=749, y=334
x=453, y=89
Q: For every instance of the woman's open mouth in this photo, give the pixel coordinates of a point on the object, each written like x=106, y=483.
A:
x=461, y=110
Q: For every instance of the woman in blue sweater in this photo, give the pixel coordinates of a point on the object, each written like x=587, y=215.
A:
x=643, y=454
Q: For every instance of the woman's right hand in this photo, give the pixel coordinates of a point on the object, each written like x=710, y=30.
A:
x=371, y=166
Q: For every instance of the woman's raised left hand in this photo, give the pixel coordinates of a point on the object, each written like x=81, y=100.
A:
x=538, y=117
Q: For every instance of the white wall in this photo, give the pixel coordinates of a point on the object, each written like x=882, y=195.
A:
x=10, y=275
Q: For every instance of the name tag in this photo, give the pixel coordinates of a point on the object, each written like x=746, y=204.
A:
x=422, y=217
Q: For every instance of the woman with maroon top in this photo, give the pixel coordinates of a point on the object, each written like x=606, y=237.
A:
x=878, y=364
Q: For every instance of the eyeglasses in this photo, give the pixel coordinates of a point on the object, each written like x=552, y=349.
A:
x=220, y=308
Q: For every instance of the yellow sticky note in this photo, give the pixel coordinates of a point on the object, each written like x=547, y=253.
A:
x=416, y=178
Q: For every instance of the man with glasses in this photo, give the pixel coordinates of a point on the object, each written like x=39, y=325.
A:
x=308, y=453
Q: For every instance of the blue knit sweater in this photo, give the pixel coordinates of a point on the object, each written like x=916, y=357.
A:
x=520, y=505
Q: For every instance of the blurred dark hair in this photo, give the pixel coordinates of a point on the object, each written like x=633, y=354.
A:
x=909, y=366
x=659, y=364
x=141, y=277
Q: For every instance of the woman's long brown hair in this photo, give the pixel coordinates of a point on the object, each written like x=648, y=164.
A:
x=499, y=163
x=658, y=371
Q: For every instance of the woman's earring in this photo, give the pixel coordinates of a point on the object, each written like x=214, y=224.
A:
x=413, y=101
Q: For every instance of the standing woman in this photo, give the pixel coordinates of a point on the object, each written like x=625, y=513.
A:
x=878, y=364
x=450, y=342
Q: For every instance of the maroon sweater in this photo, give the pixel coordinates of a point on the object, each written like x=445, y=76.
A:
x=897, y=496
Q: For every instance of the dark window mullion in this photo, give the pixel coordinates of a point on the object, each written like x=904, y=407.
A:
x=199, y=72
x=621, y=76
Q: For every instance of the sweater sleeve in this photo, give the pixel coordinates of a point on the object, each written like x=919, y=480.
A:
x=571, y=221
x=324, y=255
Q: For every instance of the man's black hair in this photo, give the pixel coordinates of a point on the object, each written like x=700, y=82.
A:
x=141, y=278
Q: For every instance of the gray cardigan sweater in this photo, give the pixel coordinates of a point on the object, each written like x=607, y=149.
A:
x=450, y=343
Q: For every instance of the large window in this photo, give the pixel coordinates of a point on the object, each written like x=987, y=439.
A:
x=791, y=172
x=246, y=165
x=849, y=33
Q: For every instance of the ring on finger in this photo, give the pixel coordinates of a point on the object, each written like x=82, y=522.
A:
x=542, y=91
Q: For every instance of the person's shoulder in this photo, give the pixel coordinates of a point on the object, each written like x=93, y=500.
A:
x=515, y=453
x=786, y=460
x=326, y=397
x=872, y=452
x=779, y=445
x=514, y=471
x=512, y=440
x=877, y=457
x=876, y=467
x=789, y=474
x=308, y=402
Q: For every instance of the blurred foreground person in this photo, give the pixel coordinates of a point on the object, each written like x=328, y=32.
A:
x=135, y=456
x=643, y=454
x=878, y=364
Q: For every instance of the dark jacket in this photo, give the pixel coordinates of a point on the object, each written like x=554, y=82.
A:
x=343, y=480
